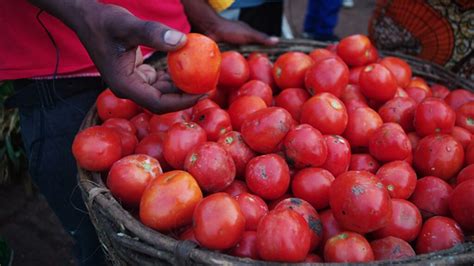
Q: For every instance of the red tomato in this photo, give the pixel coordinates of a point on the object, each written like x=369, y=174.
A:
x=401, y=93
x=121, y=124
x=320, y=54
x=462, y=205
x=354, y=74
x=97, y=148
x=465, y=174
x=218, y=222
x=247, y=246
x=219, y=96
x=431, y=196
x=329, y=75
x=240, y=152
x=260, y=68
x=242, y=107
x=469, y=154
x=201, y=106
x=312, y=185
x=352, y=92
x=162, y=123
x=364, y=162
x=211, y=166
x=361, y=125
x=195, y=67
x=377, y=83
x=414, y=140
x=439, y=155
x=265, y=129
x=305, y=147
x=290, y=244
x=152, y=145
x=129, y=176
x=326, y=113
x=354, y=50
x=418, y=94
x=391, y=248
x=389, y=143
x=290, y=68
x=268, y=176
x=292, y=99
x=169, y=201
x=111, y=106
x=351, y=105
x=439, y=91
x=348, y=247
x=236, y=188
x=273, y=203
x=339, y=154
x=360, y=202
x=140, y=122
x=433, y=115
x=372, y=55
x=465, y=116
x=458, y=97
x=419, y=83
x=399, y=178
x=312, y=258
x=188, y=235
x=129, y=141
x=256, y=88
x=234, y=70
x=330, y=226
x=400, y=110
x=400, y=70
x=181, y=138
x=438, y=233
x=405, y=222
x=462, y=135
x=215, y=121
x=253, y=208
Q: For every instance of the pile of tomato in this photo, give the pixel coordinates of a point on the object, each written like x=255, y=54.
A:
x=337, y=156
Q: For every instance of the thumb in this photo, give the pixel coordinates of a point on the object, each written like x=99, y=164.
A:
x=156, y=35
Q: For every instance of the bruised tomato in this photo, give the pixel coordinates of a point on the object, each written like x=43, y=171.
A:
x=260, y=68
x=111, y=106
x=431, y=196
x=399, y=69
x=253, y=208
x=195, y=67
x=234, y=70
x=361, y=125
x=256, y=88
x=339, y=154
x=354, y=50
x=268, y=176
x=377, y=83
x=400, y=110
x=348, y=247
x=389, y=143
x=465, y=116
x=312, y=185
x=161, y=123
x=152, y=145
x=462, y=205
x=399, y=178
x=292, y=99
x=140, y=122
x=305, y=146
x=290, y=68
x=326, y=113
x=433, y=115
x=391, y=248
x=181, y=138
x=438, y=233
x=242, y=107
x=215, y=121
x=247, y=246
x=329, y=75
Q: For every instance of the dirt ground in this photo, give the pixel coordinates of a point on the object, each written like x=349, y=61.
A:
x=34, y=232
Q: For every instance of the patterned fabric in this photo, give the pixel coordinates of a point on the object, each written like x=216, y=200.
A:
x=441, y=31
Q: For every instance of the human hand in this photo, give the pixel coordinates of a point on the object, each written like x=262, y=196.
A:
x=238, y=32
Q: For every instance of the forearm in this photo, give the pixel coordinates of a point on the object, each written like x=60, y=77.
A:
x=201, y=15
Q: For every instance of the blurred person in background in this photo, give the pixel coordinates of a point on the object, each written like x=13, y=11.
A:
x=321, y=19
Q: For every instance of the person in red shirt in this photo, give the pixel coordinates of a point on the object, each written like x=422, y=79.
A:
x=60, y=53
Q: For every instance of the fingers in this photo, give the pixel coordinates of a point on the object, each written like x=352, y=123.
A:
x=156, y=35
x=148, y=73
x=254, y=36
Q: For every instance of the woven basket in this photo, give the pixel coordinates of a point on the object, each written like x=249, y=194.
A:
x=126, y=241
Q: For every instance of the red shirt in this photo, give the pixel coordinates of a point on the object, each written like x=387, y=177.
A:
x=27, y=52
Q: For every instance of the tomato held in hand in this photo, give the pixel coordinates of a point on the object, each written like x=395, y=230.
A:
x=234, y=70
x=242, y=107
x=391, y=248
x=461, y=204
x=292, y=99
x=431, y=196
x=399, y=178
x=348, y=247
x=290, y=68
x=305, y=147
x=399, y=69
x=354, y=50
x=438, y=233
x=326, y=113
x=362, y=123
x=215, y=121
x=329, y=75
x=313, y=185
x=253, y=208
x=389, y=143
x=432, y=116
x=377, y=83
x=111, y=106
x=268, y=176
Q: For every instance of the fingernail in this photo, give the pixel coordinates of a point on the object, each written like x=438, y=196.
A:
x=173, y=37
x=274, y=39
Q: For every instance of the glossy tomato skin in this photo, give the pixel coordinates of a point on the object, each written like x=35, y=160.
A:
x=265, y=129
x=389, y=143
x=418, y=94
x=268, y=176
x=329, y=75
x=414, y=140
x=352, y=92
x=465, y=174
x=462, y=135
x=360, y=202
x=348, y=247
x=419, y=83
x=465, y=116
x=292, y=99
x=253, y=208
x=361, y=125
x=432, y=116
x=354, y=50
x=218, y=222
x=111, y=106
x=399, y=69
x=391, y=248
x=240, y=152
x=234, y=70
x=339, y=154
x=439, y=155
x=291, y=244
x=201, y=106
x=215, y=121
x=152, y=145
x=438, y=233
x=121, y=124
x=290, y=68
x=458, y=97
x=462, y=205
x=211, y=166
x=313, y=185
x=260, y=68
x=161, y=123
x=256, y=88
x=242, y=107
x=399, y=178
x=352, y=105
x=326, y=113
x=180, y=139
x=305, y=146
x=97, y=148
x=169, y=201
x=235, y=188
x=141, y=122
x=439, y=91
x=431, y=196
x=129, y=142
x=354, y=74
x=364, y=162
x=247, y=246
x=195, y=67
x=400, y=110
x=377, y=83
x=320, y=54
x=330, y=226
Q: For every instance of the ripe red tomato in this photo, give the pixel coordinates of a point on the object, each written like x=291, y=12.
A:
x=188, y=235
x=218, y=222
x=372, y=55
x=201, y=106
x=236, y=188
x=405, y=222
x=431, y=196
x=433, y=115
x=377, y=83
x=329, y=225
x=312, y=185
x=219, y=96
x=469, y=154
x=360, y=202
x=458, y=97
x=260, y=68
x=195, y=67
x=438, y=233
x=234, y=70
x=391, y=248
x=268, y=176
x=326, y=113
x=418, y=82
x=329, y=75
x=465, y=174
x=352, y=105
x=181, y=138
x=292, y=99
x=152, y=145
x=129, y=176
x=215, y=121
x=265, y=129
x=253, y=208
x=256, y=88
x=290, y=68
x=121, y=124
x=400, y=70
x=418, y=94
x=211, y=166
x=169, y=201
x=461, y=204
x=354, y=74
x=465, y=116
x=462, y=135
x=290, y=244
x=97, y=148
x=364, y=162
x=320, y=54
x=399, y=178
x=312, y=258
x=240, y=152
x=247, y=246
x=162, y=123
x=242, y=107
x=111, y=106
x=401, y=93
x=352, y=92
x=128, y=140
x=400, y=110
x=305, y=146
x=354, y=50
x=348, y=247
x=339, y=154
x=414, y=140
x=439, y=91
x=389, y=143
x=140, y=122
x=361, y=125
x=439, y=155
